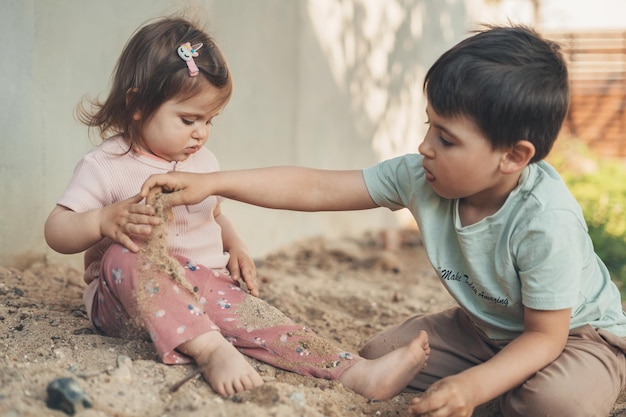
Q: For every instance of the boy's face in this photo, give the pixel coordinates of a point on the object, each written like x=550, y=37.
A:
x=459, y=160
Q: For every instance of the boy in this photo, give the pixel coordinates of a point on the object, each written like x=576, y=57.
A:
x=539, y=322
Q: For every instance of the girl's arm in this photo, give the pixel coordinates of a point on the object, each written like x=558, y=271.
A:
x=241, y=265
x=67, y=231
x=289, y=188
x=544, y=337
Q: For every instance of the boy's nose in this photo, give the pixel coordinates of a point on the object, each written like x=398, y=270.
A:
x=425, y=149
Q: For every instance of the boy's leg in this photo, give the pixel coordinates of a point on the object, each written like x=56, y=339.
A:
x=585, y=380
x=455, y=344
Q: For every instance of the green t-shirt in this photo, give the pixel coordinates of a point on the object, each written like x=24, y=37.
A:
x=535, y=251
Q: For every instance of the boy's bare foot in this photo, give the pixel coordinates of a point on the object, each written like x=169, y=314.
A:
x=385, y=377
x=221, y=364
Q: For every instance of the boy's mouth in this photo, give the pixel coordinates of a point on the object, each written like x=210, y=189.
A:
x=429, y=175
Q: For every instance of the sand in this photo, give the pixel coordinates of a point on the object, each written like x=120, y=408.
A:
x=346, y=290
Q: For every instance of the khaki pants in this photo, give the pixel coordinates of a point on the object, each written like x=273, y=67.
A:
x=585, y=380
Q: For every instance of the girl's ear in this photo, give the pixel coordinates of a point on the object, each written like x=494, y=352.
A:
x=130, y=94
x=517, y=157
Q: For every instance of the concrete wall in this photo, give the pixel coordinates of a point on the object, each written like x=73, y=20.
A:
x=323, y=83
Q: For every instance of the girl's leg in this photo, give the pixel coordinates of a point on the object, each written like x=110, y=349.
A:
x=180, y=322
x=222, y=366
x=585, y=380
x=129, y=302
x=265, y=333
x=455, y=344
x=174, y=317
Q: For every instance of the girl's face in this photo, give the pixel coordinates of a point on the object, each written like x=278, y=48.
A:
x=178, y=129
x=460, y=161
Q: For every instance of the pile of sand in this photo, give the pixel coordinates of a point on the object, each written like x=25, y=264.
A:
x=346, y=290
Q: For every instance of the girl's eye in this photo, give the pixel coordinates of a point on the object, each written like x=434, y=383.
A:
x=187, y=121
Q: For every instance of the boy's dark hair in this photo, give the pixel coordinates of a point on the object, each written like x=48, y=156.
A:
x=509, y=80
x=150, y=72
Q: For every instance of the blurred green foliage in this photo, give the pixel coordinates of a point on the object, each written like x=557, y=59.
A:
x=599, y=185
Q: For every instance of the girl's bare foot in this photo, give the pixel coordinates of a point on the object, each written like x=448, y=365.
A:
x=385, y=377
x=221, y=364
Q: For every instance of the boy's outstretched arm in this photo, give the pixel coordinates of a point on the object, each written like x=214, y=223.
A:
x=544, y=337
x=288, y=188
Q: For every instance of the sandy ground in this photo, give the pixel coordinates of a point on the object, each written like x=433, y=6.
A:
x=347, y=290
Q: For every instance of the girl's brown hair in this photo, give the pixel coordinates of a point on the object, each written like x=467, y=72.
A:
x=150, y=72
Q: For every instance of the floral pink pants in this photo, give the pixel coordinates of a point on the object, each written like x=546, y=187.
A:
x=127, y=302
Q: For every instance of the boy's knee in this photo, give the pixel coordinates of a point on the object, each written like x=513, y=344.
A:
x=390, y=340
x=522, y=402
x=527, y=401
x=372, y=350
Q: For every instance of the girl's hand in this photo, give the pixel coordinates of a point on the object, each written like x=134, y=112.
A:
x=126, y=218
x=448, y=397
x=241, y=266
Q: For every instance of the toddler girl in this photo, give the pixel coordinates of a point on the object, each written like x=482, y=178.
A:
x=169, y=84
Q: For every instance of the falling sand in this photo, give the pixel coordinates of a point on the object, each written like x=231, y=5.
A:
x=154, y=258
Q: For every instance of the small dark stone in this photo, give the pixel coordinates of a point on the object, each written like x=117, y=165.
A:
x=79, y=312
x=83, y=330
x=18, y=292
x=65, y=394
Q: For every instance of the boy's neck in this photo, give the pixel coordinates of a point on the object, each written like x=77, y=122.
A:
x=475, y=208
x=470, y=214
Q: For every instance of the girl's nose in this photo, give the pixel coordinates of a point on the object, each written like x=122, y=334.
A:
x=201, y=132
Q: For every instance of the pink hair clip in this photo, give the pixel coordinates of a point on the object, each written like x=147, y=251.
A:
x=187, y=52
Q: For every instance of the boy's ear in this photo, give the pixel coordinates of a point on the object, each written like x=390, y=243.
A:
x=517, y=157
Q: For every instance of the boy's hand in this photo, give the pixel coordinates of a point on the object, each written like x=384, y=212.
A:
x=448, y=397
x=182, y=187
x=241, y=266
x=121, y=220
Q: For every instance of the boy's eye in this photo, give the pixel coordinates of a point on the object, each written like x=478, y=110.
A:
x=444, y=142
x=187, y=121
